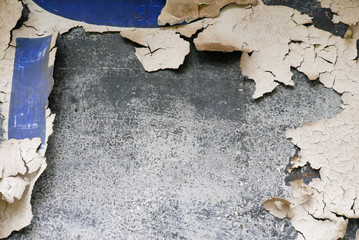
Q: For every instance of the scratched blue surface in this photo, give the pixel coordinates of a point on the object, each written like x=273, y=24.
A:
x=31, y=85
x=120, y=13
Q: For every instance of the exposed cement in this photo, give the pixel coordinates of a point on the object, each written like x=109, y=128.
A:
x=184, y=154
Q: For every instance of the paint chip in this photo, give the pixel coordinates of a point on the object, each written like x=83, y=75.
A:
x=163, y=48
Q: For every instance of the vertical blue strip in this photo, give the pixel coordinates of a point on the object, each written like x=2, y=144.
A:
x=31, y=86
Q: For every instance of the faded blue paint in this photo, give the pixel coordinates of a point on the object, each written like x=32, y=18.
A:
x=31, y=86
x=119, y=13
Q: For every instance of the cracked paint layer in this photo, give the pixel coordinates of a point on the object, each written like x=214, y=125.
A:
x=10, y=13
x=304, y=221
x=179, y=11
x=264, y=58
x=21, y=163
x=346, y=11
x=330, y=145
x=273, y=39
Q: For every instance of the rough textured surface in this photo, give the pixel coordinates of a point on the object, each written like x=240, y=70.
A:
x=172, y=154
x=190, y=152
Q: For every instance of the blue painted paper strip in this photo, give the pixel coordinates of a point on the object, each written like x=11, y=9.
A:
x=31, y=86
x=118, y=13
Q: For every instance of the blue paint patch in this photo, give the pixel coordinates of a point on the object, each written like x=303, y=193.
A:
x=118, y=13
x=31, y=86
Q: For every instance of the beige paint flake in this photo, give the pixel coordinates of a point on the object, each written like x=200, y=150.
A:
x=10, y=12
x=354, y=31
x=331, y=146
x=263, y=33
x=163, y=48
x=346, y=11
x=308, y=225
x=20, y=166
x=330, y=58
x=178, y=11
x=15, y=182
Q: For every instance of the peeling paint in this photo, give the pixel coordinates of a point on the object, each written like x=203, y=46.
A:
x=21, y=164
x=272, y=39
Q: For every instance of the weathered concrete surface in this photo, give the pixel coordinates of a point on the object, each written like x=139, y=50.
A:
x=184, y=154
